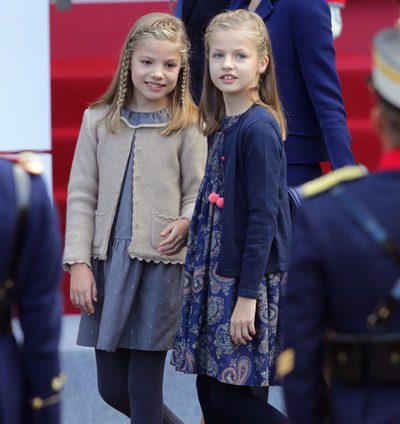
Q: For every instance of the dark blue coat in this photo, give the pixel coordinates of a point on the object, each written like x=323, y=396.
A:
x=197, y=14
x=256, y=223
x=336, y=277
x=308, y=83
x=37, y=297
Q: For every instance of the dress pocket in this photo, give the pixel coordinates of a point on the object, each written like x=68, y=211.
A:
x=158, y=223
x=99, y=225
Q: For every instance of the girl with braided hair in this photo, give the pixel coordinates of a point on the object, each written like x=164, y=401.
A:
x=137, y=167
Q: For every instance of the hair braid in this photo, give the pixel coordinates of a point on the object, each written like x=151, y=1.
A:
x=123, y=80
x=183, y=84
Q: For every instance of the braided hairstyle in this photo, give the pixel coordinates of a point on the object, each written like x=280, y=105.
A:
x=156, y=26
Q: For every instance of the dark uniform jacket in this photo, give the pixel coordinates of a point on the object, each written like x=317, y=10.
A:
x=337, y=275
x=31, y=376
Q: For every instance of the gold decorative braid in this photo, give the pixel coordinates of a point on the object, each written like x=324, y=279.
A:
x=389, y=71
x=332, y=179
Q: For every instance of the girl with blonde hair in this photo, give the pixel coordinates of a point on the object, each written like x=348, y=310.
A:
x=137, y=167
x=240, y=232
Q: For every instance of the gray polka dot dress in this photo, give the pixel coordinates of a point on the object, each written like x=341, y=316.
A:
x=139, y=302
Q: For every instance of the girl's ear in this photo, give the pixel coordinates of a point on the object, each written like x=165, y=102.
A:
x=263, y=64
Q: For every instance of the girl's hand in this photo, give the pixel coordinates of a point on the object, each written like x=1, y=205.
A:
x=177, y=233
x=83, y=290
x=242, y=320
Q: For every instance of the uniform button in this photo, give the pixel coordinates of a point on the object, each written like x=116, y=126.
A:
x=395, y=358
x=37, y=403
x=9, y=284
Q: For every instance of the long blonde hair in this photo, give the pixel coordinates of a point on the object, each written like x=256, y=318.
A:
x=182, y=110
x=212, y=107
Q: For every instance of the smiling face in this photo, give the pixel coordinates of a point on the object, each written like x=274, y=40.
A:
x=234, y=63
x=155, y=68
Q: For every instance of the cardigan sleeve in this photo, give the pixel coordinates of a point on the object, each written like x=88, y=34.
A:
x=193, y=156
x=263, y=156
x=82, y=197
x=312, y=35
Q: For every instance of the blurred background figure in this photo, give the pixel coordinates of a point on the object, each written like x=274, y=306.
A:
x=30, y=380
x=308, y=82
x=309, y=85
x=344, y=277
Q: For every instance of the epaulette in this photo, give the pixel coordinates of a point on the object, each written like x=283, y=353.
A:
x=30, y=162
x=332, y=179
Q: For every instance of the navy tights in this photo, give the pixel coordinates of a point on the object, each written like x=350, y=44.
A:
x=131, y=382
x=229, y=404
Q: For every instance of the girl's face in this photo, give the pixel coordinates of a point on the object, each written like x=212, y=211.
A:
x=234, y=63
x=155, y=68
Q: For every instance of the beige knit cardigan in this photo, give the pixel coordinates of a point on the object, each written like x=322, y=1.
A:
x=166, y=177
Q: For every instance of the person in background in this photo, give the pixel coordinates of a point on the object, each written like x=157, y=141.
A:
x=135, y=175
x=30, y=271
x=240, y=232
x=309, y=87
x=343, y=284
x=196, y=14
x=308, y=84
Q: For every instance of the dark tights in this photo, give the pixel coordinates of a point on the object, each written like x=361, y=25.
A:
x=131, y=382
x=229, y=404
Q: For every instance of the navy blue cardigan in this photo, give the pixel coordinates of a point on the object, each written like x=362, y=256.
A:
x=256, y=224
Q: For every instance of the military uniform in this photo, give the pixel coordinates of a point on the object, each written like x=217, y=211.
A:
x=338, y=274
x=30, y=380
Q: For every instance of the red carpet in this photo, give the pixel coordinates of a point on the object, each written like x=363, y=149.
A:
x=85, y=45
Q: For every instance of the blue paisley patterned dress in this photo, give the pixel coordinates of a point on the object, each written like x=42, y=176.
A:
x=203, y=344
